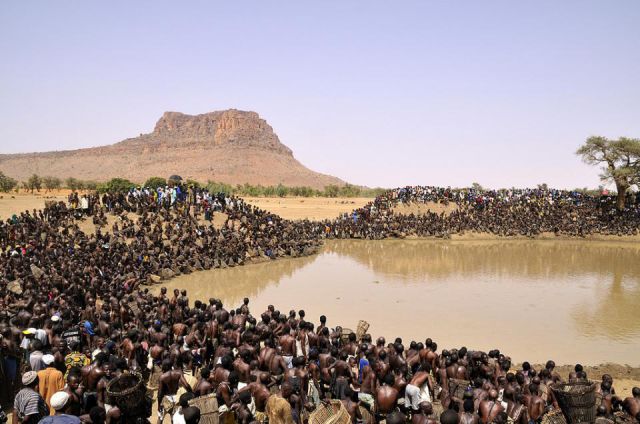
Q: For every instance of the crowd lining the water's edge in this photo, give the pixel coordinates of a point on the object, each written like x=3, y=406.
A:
x=83, y=339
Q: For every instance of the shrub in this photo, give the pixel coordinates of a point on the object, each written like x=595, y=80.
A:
x=116, y=185
x=7, y=183
x=155, y=182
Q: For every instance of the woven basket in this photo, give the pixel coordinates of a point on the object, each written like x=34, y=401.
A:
x=367, y=417
x=134, y=308
x=208, y=406
x=621, y=417
x=361, y=330
x=554, y=417
x=127, y=392
x=458, y=387
x=438, y=409
x=577, y=401
x=332, y=413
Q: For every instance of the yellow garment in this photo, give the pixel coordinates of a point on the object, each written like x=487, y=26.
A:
x=191, y=380
x=278, y=410
x=75, y=360
x=260, y=417
x=50, y=381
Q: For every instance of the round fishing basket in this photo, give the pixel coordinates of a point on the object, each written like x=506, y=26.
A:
x=127, y=392
x=577, y=401
x=332, y=413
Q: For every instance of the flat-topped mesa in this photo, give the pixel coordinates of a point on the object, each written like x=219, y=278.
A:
x=229, y=146
x=229, y=127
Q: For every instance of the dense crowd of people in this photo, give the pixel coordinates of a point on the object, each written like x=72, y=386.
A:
x=75, y=314
x=514, y=212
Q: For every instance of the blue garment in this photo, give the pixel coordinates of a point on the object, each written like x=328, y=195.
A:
x=363, y=363
x=88, y=328
x=60, y=419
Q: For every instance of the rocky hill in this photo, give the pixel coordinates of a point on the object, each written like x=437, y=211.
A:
x=230, y=146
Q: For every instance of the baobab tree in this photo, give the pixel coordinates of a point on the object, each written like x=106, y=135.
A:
x=620, y=160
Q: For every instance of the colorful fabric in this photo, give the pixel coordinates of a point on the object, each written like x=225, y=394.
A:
x=75, y=359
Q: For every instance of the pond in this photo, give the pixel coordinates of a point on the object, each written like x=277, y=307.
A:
x=571, y=301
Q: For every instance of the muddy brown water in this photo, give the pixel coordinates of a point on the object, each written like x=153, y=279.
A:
x=571, y=301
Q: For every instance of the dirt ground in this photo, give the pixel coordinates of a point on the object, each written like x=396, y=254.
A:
x=15, y=203
x=314, y=208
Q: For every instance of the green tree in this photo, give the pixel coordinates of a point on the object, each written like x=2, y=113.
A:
x=71, y=183
x=51, y=183
x=7, y=183
x=193, y=183
x=155, y=182
x=620, y=160
x=34, y=183
x=116, y=185
x=281, y=191
x=349, y=190
x=331, y=190
x=216, y=187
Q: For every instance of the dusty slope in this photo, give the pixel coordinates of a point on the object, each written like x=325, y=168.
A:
x=231, y=146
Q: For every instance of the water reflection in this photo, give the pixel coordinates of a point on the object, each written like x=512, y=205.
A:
x=567, y=300
x=423, y=259
x=616, y=314
x=234, y=284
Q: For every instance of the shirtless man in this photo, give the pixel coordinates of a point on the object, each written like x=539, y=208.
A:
x=170, y=381
x=259, y=392
x=203, y=386
x=490, y=408
x=467, y=416
x=632, y=404
x=516, y=410
x=298, y=376
x=424, y=415
x=101, y=387
x=368, y=386
x=242, y=367
x=386, y=396
x=535, y=404
x=288, y=346
x=75, y=390
x=323, y=324
x=91, y=375
x=278, y=366
x=350, y=402
x=418, y=390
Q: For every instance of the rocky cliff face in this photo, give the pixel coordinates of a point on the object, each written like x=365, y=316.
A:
x=230, y=127
x=231, y=146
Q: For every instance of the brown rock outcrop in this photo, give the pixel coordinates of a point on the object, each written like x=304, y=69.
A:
x=231, y=146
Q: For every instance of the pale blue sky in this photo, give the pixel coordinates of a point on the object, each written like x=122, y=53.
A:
x=378, y=93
